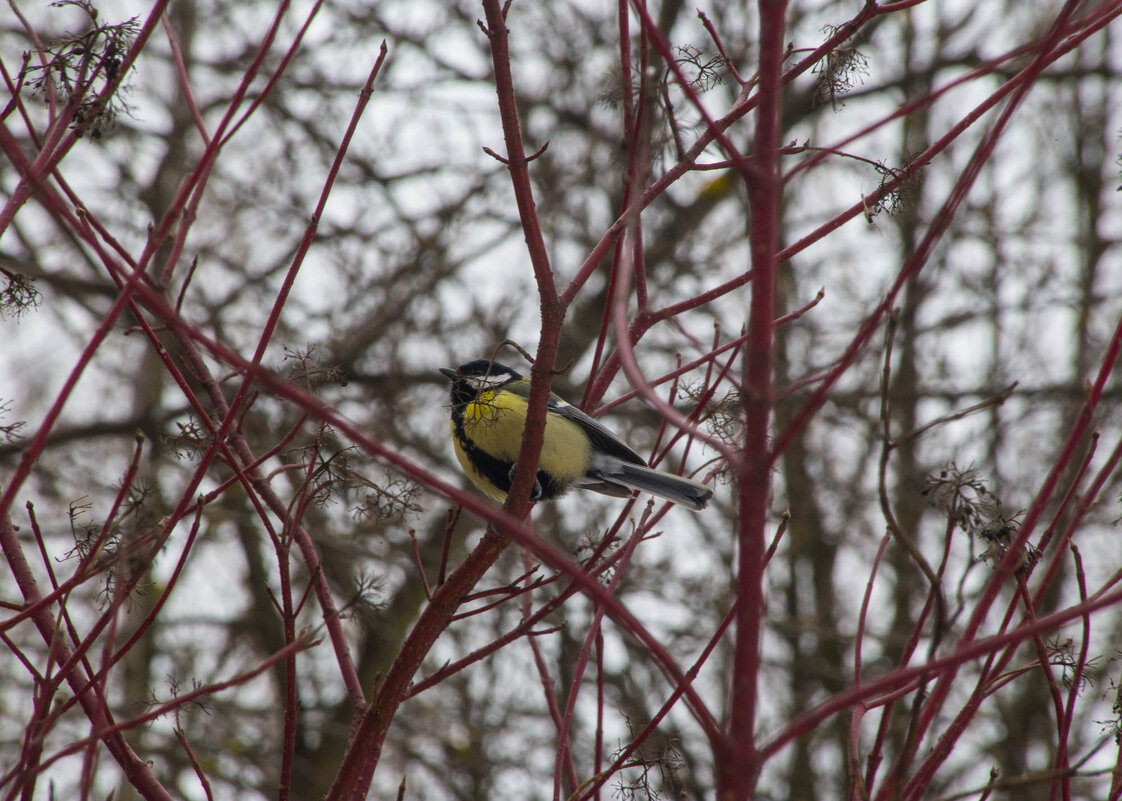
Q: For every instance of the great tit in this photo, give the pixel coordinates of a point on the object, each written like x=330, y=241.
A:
x=489, y=405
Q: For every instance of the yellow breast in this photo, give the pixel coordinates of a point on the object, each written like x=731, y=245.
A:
x=494, y=423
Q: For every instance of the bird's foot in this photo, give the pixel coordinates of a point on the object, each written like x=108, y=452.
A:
x=536, y=492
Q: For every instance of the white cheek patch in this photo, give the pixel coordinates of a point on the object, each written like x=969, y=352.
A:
x=481, y=382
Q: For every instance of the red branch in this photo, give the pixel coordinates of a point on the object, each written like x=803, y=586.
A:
x=738, y=770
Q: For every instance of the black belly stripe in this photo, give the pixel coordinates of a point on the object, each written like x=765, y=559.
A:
x=497, y=471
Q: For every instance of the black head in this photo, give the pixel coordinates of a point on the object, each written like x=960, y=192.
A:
x=488, y=370
x=473, y=377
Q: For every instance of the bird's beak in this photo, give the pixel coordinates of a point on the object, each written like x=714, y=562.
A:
x=448, y=371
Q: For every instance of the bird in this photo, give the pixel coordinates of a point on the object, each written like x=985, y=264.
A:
x=489, y=408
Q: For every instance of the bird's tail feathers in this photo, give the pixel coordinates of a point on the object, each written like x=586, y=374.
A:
x=676, y=489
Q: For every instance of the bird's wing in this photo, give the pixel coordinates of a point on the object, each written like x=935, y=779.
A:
x=602, y=439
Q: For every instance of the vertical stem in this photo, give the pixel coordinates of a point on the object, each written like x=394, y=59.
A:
x=364, y=751
x=738, y=774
